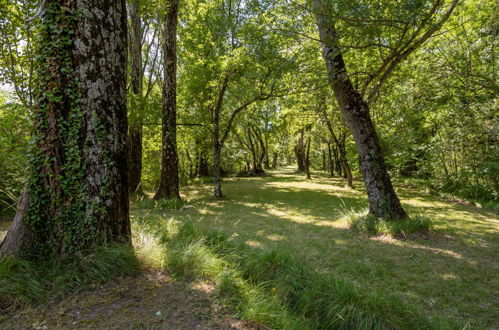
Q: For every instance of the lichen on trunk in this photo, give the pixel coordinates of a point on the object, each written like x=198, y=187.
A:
x=77, y=194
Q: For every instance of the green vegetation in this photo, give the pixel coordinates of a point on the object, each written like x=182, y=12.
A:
x=448, y=272
x=314, y=164
x=364, y=222
x=24, y=282
x=280, y=254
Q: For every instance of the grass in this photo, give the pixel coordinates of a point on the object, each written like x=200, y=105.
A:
x=451, y=273
x=371, y=225
x=280, y=252
x=24, y=282
x=273, y=287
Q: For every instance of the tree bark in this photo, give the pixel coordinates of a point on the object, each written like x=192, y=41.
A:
x=77, y=192
x=169, y=180
x=19, y=237
x=330, y=160
x=274, y=159
x=136, y=77
x=344, y=160
x=307, y=159
x=299, y=150
x=383, y=202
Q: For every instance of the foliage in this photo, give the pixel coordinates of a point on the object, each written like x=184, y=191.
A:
x=14, y=136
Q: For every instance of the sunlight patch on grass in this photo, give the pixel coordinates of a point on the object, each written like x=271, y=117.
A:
x=463, y=242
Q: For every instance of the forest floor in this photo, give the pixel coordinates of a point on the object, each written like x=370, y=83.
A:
x=152, y=300
x=451, y=272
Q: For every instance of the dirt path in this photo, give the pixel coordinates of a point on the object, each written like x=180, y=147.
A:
x=151, y=300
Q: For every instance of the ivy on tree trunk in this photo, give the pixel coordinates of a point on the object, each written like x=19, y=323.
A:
x=77, y=194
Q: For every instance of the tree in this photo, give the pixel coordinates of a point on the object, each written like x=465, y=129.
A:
x=355, y=103
x=137, y=84
x=18, y=38
x=169, y=181
x=77, y=194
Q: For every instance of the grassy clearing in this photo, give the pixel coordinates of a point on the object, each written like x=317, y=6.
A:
x=451, y=273
x=280, y=252
x=272, y=287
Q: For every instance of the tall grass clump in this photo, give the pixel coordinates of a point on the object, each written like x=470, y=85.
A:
x=371, y=225
x=23, y=282
x=185, y=252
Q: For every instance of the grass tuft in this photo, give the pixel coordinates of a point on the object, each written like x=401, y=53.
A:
x=160, y=204
x=23, y=282
x=371, y=225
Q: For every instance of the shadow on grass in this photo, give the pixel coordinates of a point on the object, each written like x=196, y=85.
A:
x=453, y=272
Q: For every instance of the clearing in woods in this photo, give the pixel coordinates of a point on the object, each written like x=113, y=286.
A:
x=450, y=272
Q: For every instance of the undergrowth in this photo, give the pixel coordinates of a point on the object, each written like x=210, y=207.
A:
x=273, y=287
x=23, y=282
x=371, y=225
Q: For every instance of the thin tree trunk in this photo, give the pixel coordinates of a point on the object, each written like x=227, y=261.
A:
x=307, y=159
x=274, y=159
x=330, y=159
x=383, y=202
x=324, y=164
x=217, y=180
x=267, y=157
x=169, y=181
x=77, y=193
x=217, y=143
x=135, y=128
x=344, y=161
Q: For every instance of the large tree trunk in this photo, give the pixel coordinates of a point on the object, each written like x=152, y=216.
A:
x=383, y=202
x=77, y=193
x=169, y=181
x=136, y=75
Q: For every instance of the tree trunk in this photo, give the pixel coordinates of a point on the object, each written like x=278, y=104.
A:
x=19, y=238
x=344, y=161
x=267, y=157
x=307, y=159
x=217, y=184
x=337, y=161
x=77, y=193
x=135, y=119
x=169, y=181
x=299, y=150
x=383, y=202
x=274, y=159
x=324, y=164
x=330, y=160
x=217, y=140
